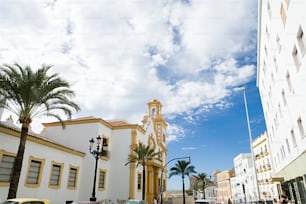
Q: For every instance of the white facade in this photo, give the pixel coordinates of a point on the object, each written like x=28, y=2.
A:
x=245, y=189
x=281, y=81
x=121, y=181
x=43, y=150
x=267, y=188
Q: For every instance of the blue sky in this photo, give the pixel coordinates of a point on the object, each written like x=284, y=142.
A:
x=119, y=55
x=219, y=136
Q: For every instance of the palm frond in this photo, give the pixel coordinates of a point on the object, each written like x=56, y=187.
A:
x=30, y=94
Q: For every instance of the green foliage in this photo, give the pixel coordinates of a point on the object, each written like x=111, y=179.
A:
x=182, y=168
x=30, y=94
x=143, y=154
x=189, y=192
x=202, y=180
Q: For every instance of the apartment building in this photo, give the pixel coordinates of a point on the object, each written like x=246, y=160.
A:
x=244, y=184
x=267, y=188
x=58, y=166
x=224, y=185
x=281, y=78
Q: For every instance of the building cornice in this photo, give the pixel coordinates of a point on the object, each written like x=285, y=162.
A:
x=88, y=120
x=40, y=140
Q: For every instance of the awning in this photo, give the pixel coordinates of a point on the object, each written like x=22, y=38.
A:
x=277, y=179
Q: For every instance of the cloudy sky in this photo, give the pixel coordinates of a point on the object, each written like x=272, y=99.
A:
x=120, y=54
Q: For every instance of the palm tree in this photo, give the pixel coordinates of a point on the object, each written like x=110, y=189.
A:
x=29, y=95
x=203, y=180
x=141, y=155
x=182, y=168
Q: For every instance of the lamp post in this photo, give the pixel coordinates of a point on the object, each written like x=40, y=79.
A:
x=162, y=173
x=97, y=153
x=250, y=137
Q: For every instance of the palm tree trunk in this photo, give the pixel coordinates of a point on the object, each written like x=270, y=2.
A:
x=183, y=190
x=203, y=190
x=143, y=182
x=18, y=163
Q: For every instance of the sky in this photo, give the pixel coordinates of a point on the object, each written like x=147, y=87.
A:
x=120, y=54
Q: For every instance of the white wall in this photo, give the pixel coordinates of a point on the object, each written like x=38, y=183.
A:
x=275, y=63
x=10, y=144
x=76, y=137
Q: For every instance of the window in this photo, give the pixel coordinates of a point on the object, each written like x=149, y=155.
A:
x=288, y=146
x=269, y=9
x=72, y=177
x=6, y=166
x=102, y=179
x=301, y=40
x=301, y=128
x=283, y=153
x=289, y=82
x=283, y=14
x=34, y=173
x=296, y=58
x=139, y=181
x=276, y=121
x=104, y=147
x=264, y=68
x=280, y=111
x=267, y=33
x=284, y=98
x=56, y=175
x=293, y=138
x=275, y=63
x=279, y=46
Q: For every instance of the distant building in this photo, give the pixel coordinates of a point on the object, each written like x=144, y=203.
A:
x=57, y=164
x=281, y=80
x=224, y=185
x=245, y=180
x=210, y=187
x=267, y=187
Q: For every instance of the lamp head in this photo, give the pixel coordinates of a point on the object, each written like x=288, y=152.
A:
x=91, y=142
x=238, y=89
x=99, y=139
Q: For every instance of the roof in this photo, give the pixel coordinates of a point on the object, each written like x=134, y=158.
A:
x=118, y=122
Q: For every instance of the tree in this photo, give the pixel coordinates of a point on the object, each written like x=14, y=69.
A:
x=182, y=168
x=141, y=155
x=203, y=180
x=29, y=95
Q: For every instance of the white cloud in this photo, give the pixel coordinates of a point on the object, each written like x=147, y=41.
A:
x=174, y=133
x=189, y=148
x=111, y=51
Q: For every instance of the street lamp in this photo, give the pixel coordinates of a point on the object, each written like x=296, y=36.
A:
x=250, y=137
x=162, y=173
x=97, y=153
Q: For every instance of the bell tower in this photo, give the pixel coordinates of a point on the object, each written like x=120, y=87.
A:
x=154, y=108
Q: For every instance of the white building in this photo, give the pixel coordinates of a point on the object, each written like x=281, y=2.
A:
x=281, y=78
x=244, y=179
x=57, y=164
x=237, y=196
x=267, y=188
